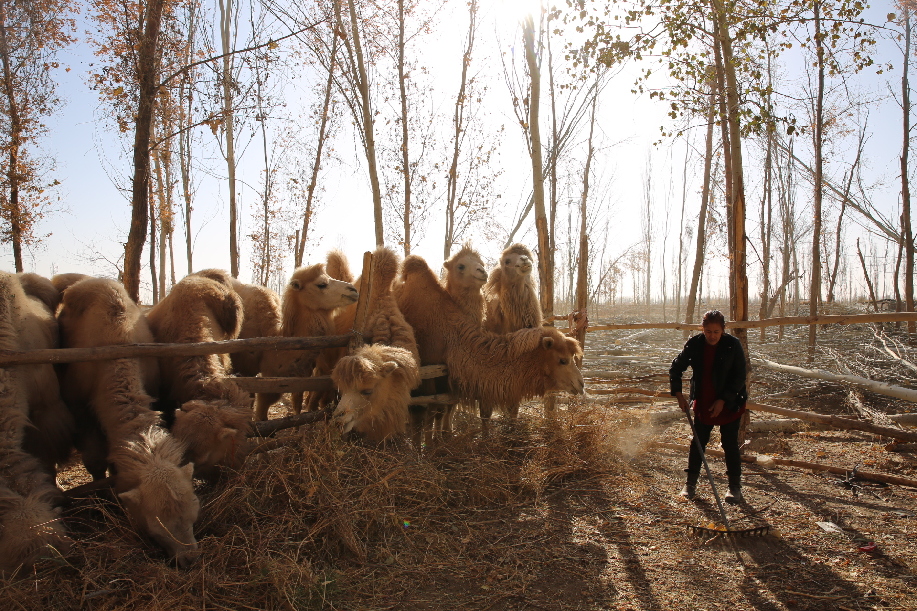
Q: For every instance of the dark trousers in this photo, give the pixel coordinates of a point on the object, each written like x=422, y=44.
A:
x=729, y=433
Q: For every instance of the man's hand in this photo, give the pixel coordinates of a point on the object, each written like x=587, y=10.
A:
x=717, y=408
x=682, y=402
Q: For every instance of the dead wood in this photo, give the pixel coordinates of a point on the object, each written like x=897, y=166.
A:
x=106, y=353
x=836, y=422
x=863, y=475
x=881, y=388
x=269, y=427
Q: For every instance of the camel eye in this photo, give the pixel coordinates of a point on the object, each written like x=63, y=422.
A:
x=564, y=361
x=366, y=392
x=507, y=261
x=461, y=267
x=322, y=286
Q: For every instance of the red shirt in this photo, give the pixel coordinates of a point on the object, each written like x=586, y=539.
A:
x=706, y=394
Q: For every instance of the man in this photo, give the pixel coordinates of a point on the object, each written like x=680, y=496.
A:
x=718, y=397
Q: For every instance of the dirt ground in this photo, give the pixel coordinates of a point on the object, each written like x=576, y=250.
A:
x=573, y=511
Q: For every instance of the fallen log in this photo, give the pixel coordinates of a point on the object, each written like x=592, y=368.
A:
x=836, y=421
x=881, y=388
x=84, y=490
x=106, y=353
x=869, y=476
x=315, y=383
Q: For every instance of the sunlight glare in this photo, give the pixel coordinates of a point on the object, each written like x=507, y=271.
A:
x=514, y=11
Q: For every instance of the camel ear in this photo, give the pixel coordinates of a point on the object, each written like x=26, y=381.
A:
x=296, y=285
x=547, y=342
x=388, y=367
x=226, y=433
x=133, y=495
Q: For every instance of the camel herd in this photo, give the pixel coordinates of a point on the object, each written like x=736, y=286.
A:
x=154, y=424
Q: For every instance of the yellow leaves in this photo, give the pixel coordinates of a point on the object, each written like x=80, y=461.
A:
x=272, y=45
x=118, y=91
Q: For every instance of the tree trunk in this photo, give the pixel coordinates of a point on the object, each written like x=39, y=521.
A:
x=148, y=85
x=545, y=270
x=906, y=230
x=405, y=158
x=317, y=162
x=458, y=123
x=14, y=143
x=815, y=287
x=227, y=81
x=153, y=256
x=872, y=293
x=369, y=139
x=702, y=216
x=582, y=289
x=727, y=164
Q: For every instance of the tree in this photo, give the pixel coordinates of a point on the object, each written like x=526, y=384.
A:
x=31, y=34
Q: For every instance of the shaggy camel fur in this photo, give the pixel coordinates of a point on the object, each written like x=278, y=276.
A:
x=309, y=302
x=375, y=384
x=29, y=525
x=498, y=370
x=199, y=309
x=215, y=435
x=41, y=288
x=261, y=317
x=156, y=491
x=512, y=299
x=465, y=277
x=62, y=281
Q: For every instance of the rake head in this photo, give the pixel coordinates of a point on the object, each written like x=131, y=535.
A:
x=703, y=531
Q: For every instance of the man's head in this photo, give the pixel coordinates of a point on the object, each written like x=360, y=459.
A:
x=714, y=324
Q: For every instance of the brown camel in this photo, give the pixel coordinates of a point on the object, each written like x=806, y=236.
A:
x=465, y=277
x=309, y=302
x=512, y=299
x=498, y=370
x=29, y=524
x=155, y=489
x=215, y=435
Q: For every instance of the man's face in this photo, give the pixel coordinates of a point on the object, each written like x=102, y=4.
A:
x=713, y=332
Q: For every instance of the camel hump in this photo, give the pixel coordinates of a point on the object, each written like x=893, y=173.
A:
x=414, y=264
x=338, y=267
x=217, y=275
x=385, y=269
x=64, y=281
x=86, y=293
x=225, y=305
x=41, y=288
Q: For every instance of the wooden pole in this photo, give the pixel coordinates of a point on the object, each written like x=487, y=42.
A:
x=863, y=475
x=833, y=319
x=107, y=353
x=366, y=289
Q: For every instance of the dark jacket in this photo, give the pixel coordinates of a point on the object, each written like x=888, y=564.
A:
x=728, y=369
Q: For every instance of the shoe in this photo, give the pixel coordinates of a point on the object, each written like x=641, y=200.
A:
x=734, y=496
x=688, y=491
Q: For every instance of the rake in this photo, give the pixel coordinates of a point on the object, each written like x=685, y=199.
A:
x=726, y=530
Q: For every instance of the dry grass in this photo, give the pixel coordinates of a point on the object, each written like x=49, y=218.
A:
x=304, y=525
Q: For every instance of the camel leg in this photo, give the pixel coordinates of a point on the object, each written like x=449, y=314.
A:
x=486, y=411
x=513, y=411
x=297, y=402
x=263, y=402
x=448, y=412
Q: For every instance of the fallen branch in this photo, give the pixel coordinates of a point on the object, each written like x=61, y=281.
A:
x=106, y=353
x=84, y=490
x=269, y=427
x=836, y=421
x=880, y=388
x=881, y=478
x=315, y=383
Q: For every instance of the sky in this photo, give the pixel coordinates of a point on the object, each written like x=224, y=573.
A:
x=88, y=230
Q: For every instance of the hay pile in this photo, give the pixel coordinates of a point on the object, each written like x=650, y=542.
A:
x=320, y=521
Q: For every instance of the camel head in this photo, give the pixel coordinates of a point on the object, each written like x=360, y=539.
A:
x=313, y=289
x=558, y=366
x=31, y=528
x=375, y=385
x=465, y=270
x=215, y=434
x=516, y=263
x=162, y=505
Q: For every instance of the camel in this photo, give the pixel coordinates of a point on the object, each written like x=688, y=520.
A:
x=465, y=277
x=500, y=371
x=375, y=385
x=41, y=288
x=309, y=302
x=261, y=317
x=29, y=524
x=154, y=486
x=512, y=299
x=62, y=281
x=199, y=309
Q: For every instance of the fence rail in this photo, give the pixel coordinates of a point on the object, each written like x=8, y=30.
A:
x=828, y=319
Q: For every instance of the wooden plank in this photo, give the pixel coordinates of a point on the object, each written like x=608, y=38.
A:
x=366, y=289
x=106, y=353
x=442, y=399
x=316, y=383
x=862, y=475
x=828, y=319
x=836, y=421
